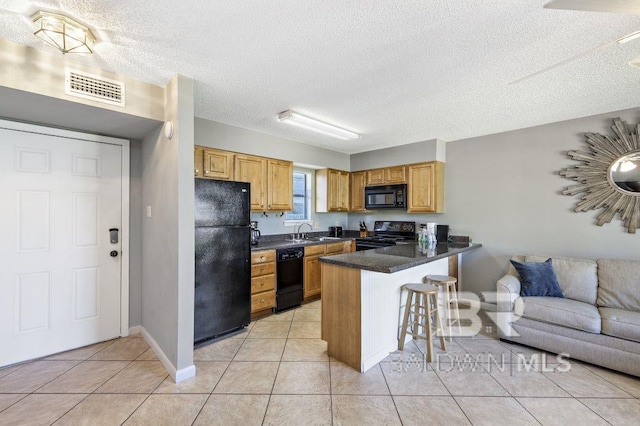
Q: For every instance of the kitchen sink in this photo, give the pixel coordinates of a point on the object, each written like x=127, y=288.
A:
x=321, y=239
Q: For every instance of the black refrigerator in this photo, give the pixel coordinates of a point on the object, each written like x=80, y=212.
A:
x=223, y=259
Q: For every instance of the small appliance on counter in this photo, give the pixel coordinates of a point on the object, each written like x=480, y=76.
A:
x=442, y=233
x=255, y=233
x=335, y=231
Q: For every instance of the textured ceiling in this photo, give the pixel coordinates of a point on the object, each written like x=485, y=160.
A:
x=395, y=71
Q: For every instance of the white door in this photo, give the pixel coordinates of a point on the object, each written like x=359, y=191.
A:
x=60, y=279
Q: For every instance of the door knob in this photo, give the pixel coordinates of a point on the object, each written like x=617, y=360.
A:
x=114, y=253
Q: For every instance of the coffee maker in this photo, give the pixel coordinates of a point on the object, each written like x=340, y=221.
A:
x=255, y=232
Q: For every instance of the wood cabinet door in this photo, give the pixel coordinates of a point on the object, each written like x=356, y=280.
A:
x=197, y=161
x=312, y=276
x=343, y=195
x=426, y=188
x=395, y=175
x=279, y=185
x=358, y=180
x=217, y=164
x=249, y=168
x=375, y=177
x=333, y=196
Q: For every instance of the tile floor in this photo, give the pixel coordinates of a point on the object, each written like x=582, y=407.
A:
x=278, y=373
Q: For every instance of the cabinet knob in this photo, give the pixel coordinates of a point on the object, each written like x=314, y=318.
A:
x=261, y=300
x=206, y=171
x=261, y=257
x=197, y=170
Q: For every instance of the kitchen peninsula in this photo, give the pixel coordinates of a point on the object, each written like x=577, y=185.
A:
x=361, y=297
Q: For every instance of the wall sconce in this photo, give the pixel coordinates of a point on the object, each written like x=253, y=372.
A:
x=62, y=32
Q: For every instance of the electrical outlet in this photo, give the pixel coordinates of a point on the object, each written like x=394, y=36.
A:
x=148, y=211
x=315, y=224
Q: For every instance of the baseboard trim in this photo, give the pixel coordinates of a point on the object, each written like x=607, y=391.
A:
x=176, y=375
x=135, y=330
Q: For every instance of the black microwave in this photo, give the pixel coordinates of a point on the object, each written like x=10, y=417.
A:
x=385, y=197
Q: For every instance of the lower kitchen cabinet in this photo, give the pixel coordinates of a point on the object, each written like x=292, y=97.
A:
x=312, y=270
x=263, y=280
x=312, y=274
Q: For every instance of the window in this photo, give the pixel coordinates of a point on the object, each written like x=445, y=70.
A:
x=301, y=198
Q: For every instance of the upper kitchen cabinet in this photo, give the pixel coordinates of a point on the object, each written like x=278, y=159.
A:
x=375, y=177
x=252, y=169
x=279, y=185
x=217, y=164
x=395, y=175
x=426, y=187
x=387, y=176
x=197, y=161
x=358, y=182
x=332, y=191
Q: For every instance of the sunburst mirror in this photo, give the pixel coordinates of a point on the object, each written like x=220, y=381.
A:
x=609, y=176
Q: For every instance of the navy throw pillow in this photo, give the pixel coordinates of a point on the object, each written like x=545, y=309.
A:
x=537, y=279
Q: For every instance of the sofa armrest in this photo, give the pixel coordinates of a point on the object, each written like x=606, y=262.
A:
x=508, y=290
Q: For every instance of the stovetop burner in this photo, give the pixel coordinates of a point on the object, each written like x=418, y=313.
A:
x=388, y=234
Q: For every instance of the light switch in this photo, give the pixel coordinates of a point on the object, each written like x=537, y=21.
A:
x=148, y=211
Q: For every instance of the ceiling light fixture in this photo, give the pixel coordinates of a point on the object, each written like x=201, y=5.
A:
x=629, y=37
x=62, y=32
x=295, y=119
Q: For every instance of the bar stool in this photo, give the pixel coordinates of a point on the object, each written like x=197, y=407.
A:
x=450, y=297
x=422, y=303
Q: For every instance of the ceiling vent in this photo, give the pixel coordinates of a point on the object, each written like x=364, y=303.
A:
x=94, y=87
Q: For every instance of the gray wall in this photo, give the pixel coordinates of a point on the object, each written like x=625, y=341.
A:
x=135, y=234
x=504, y=191
x=404, y=154
x=222, y=136
x=417, y=152
x=168, y=235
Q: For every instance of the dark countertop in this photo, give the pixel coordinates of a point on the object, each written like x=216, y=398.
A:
x=276, y=244
x=396, y=258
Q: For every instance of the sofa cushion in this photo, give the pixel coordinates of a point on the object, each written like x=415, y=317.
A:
x=621, y=323
x=560, y=311
x=619, y=284
x=537, y=279
x=578, y=278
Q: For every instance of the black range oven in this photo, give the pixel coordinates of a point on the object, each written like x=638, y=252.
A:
x=389, y=233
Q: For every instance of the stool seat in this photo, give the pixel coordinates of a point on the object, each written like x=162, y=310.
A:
x=450, y=296
x=441, y=278
x=422, y=307
x=421, y=288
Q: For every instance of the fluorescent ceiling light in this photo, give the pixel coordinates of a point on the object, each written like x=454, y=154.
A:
x=635, y=62
x=629, y=37
x=295, y=119
x=62, y=32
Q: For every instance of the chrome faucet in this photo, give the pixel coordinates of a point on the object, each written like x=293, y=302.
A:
x=300, y=226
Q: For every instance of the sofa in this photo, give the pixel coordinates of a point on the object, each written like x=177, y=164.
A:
x=597, y=320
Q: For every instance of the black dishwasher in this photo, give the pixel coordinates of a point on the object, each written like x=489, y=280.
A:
x=289, y=265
